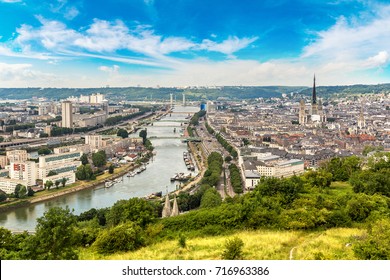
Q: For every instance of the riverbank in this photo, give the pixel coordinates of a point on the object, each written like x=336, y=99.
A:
x=75, y=187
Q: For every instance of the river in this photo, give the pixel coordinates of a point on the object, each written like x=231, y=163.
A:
x=167, y=161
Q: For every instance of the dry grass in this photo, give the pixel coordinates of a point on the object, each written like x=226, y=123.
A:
x=258, y=245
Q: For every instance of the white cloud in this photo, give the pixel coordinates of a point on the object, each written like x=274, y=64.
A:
x=71, y=13
x=12, y=75
x=108, y=37
x=111, y=70
x=353, y=41
x=379, y=60
x=10, y=1
x=228, y=46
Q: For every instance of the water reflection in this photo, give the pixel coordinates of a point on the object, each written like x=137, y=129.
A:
x=156, y=177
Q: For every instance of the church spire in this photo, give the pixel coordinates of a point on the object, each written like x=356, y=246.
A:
x=314, y=96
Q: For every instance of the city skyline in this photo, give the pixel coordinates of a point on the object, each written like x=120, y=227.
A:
x=87, y=43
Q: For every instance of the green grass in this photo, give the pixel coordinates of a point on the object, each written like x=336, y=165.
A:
x=258, y=245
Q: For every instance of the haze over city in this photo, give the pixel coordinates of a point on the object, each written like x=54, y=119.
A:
x=179, y=43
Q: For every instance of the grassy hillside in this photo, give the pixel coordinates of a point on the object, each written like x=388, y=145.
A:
x=258, y=245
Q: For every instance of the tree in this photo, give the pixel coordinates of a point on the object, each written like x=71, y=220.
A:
x=233, y=249
x=57, y=183
x=56, y=236
x=3, y=196
x=44, y=151
x=111, y=169
x=48, y=184
x=51, y=173
x=63, y=181
x=99, y=159
x=20, y=191
x=124, y=237
x=84, y=172
x=122, y=133
x=1, y=138
x=211, y=198
x=143, y=133
x=376, y=244
x=84, y=159
x=135, y=209
x=30, y=191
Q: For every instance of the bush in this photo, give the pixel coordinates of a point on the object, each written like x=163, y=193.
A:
x=182, y=241
x=122, y=238
x=376, y=244
x=233, y=249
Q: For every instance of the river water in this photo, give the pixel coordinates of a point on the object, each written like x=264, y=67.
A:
x=167, y=161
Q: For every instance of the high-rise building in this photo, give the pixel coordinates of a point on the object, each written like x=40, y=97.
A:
x=67, y=114
x=171, y=99
x=314, y=106
x=105, y=106
x=184, y=99
x=302, y=113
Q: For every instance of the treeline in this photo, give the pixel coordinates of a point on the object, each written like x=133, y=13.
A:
x=235, y=178
x=117, y=119
x=209, y=128
x=10, y=128
x=227, y=146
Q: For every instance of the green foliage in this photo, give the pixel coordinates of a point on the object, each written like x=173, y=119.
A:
x=371, y=182
x=319, y=179
x=209, y=129
x=51, y=173
x=369, y=149
x=143, y=134
x=182, y=242
x=117, y=119
x=233, y=249
x=121, y=238
x=137, y=210
x=99, y=158
x=11, y=245
x=44, y=151
x=122, y=133
x=235, y=178
x=56, y=236
x=361, y=206
x=213, y=172
x=3, y=196
x=211, y=198
x=84, y=159
x=48, y=184
x=20, y=191
x=111, y=169
x=342, y=168
x=376, y=244
x=84, y=172
x=227, y=146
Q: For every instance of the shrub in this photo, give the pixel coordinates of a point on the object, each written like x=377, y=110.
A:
x=233, y=249
x=182, y=241
x=122, y=238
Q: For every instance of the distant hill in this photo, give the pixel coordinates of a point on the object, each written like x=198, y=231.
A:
x=230, y=92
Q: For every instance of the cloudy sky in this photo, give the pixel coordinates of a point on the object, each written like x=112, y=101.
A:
x=94, y=43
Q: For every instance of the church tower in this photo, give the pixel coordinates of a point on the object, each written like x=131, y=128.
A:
x=361, y=121
x=314, y=106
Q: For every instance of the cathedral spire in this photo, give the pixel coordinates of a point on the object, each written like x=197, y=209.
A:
x=314, y=96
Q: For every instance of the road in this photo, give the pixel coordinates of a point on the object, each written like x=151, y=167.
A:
x=210, y=144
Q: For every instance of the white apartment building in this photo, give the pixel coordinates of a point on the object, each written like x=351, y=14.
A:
x=280, y=169
x=8, y=185
x=16, y=155
x=94, y=141
x=24, y=170
x=59, y=163
x=67, y=114
x=83, y=148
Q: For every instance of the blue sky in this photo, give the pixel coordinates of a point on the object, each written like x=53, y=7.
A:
x=94, y=43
